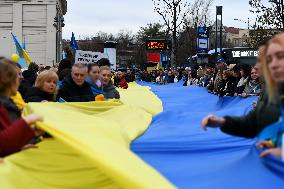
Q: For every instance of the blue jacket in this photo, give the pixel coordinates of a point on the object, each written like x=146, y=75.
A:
x=95, y=89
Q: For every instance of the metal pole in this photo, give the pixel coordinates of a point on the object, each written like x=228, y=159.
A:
x=221, y=33
x=216, y=36
x=57, y=37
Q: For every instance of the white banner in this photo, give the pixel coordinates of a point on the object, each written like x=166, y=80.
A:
x=88, y=57
x=111, y=55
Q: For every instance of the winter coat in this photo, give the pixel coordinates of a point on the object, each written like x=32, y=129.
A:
x=37, y=95
x=250, y=125
x=218, y=81
x=71, y=92
x=110, y=92
x=228, y=87
x=120, y=82
x=241, y=85
x=206, y=80
x=13, y=111
x=30, y=76
x=253, y=87
x=171, y=79
x=13, y=134
x=129, y=77
x=25, y=85
x=190, y=81
x=95, y=88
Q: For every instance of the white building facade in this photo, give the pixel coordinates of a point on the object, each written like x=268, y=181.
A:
x=38, y=23
x=237, y=37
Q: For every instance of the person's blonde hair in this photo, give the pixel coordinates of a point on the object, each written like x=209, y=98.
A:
x=45, y=76
x=271, y=85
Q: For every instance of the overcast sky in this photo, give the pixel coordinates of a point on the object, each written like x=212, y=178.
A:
x=87, y=17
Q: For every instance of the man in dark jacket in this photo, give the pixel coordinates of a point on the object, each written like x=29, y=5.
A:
x=74, y=87
x=31, y=73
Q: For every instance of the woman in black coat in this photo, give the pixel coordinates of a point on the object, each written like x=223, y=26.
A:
x=45, y=88
x=228, y=84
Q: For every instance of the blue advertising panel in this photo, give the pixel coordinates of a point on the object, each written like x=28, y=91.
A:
x=203, y=38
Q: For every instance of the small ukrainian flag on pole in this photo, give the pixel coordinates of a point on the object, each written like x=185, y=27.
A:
x=21, y=51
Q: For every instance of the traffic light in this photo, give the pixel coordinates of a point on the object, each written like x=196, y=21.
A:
x=62, y=21
x=57, y=20
x=55, y=24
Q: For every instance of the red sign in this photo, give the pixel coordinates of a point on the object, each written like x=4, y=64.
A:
x=153, y=57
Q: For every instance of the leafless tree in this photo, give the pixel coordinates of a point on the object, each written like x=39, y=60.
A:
x=269, y=20
x=180, y=16
x=199, y=16
x=173, y=13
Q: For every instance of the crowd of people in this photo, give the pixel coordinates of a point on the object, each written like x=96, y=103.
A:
x=264, y=80
x=220, y=79
x=161, y=76
x=39, y=83
x=267, y=113
x=96, y=82
x=72, y=83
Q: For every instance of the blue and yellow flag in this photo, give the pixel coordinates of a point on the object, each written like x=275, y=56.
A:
x=90, y=146
x=21, y=51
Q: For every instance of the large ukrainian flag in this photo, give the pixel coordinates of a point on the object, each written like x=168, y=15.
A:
x=89, y=148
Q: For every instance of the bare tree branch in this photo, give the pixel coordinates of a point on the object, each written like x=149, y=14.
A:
x=165, y=1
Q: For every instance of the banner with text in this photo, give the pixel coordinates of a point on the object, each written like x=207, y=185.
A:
x=88, y=57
